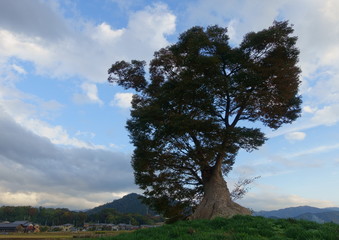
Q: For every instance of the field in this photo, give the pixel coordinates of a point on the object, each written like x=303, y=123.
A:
x=58, y=235
x=237, y=228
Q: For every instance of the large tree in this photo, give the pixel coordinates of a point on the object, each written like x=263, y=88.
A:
x=191, y=116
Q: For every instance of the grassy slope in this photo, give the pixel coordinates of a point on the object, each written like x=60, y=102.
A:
x=238, y=228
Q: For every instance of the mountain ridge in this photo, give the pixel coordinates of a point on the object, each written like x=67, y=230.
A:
x=320, y=215
x=291, y=212
x=130, y=203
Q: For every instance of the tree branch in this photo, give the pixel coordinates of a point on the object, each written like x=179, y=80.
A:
x=190, y=169
x=237, y=117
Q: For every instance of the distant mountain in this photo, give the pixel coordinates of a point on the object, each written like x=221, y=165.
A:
x=289, y=212
x=332, y=209
x=130, y=203
x=319, y=215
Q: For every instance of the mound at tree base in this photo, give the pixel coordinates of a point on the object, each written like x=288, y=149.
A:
x=217, y=200
x=211, y=210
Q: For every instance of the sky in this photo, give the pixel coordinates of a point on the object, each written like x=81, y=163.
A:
x=63, y=141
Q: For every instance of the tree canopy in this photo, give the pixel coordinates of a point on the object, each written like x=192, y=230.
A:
x=189, y=118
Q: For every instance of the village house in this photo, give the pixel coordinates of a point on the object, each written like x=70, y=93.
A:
x=18, y=226
x=63, y=228
x=113, y=227
x=100, y=227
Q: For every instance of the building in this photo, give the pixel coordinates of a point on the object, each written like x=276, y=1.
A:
x=17, y=226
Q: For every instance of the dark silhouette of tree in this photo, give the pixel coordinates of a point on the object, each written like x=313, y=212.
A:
x=190, y=118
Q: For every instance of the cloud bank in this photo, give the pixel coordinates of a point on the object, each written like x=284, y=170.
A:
x=32, y=167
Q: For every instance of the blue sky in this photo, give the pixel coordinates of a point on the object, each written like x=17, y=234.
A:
x=63, y=141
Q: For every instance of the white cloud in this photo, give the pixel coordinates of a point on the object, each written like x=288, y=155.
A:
x=316, y=150
x=58, y=199
x=152, y=25
x=91, y=91
x=295, y=136
x=104, y=33
x=18, y=198
x=89, y=52
x=89, y=95
x=328, y=115
x=122, y=100
x=19, y=69
x=24, y=47
x=114, y=146
x=28, y=110
x=309, y=109
x=56, y=134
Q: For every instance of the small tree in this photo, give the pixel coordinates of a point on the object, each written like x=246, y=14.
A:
x=241, y=188
x=189, y=120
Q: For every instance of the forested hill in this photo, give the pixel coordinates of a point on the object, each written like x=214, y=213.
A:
x=130, y=203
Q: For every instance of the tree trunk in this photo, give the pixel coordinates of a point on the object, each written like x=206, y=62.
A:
x=217, y=200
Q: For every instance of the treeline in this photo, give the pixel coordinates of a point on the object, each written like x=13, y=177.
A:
x=110, y=215
x=59, y=216
x=41, y=215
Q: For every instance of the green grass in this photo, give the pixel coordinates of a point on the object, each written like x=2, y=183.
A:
x=237, y=228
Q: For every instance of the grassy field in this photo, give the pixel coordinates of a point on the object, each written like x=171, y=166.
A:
x=59, y=235
x=237, y=228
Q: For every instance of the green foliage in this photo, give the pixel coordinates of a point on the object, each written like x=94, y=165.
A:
x=112, y=216
x=42, y=216
x=185, y=118
x=237, y=228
